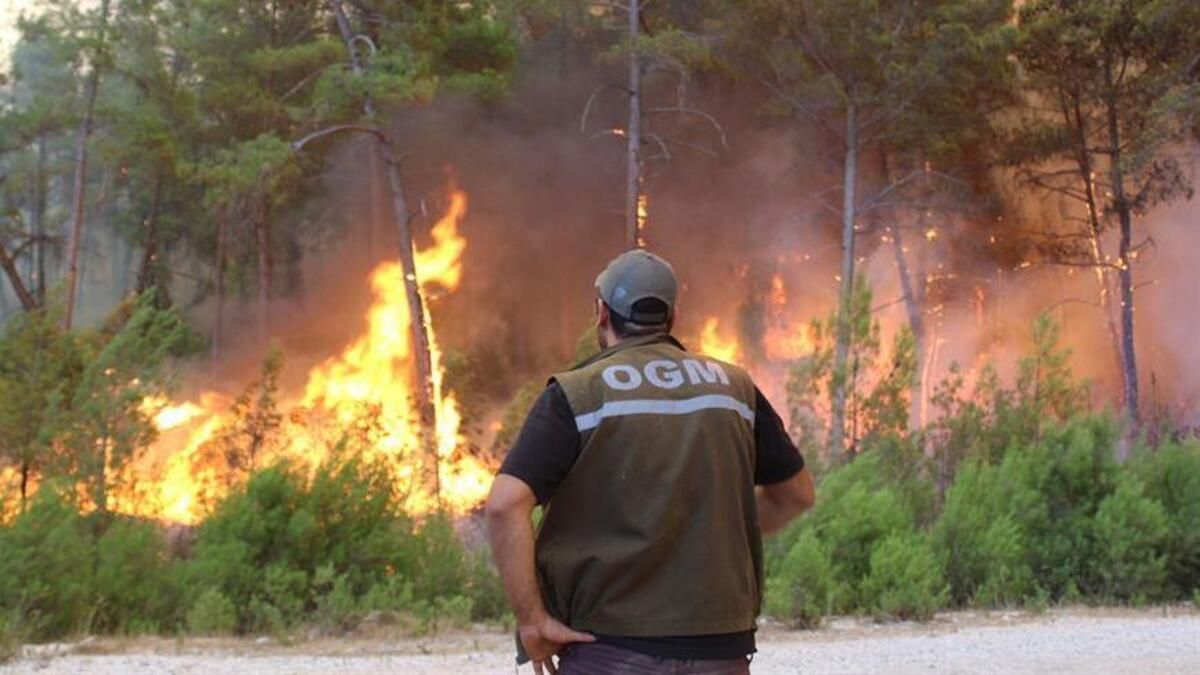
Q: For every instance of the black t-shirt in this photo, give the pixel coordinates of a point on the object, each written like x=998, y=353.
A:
x=550, y=442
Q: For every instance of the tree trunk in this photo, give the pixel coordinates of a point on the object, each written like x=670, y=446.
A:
x=219, y=289
x=14, y=277
x=837, y=422
x=401, y=216
x=147, y=274
x=913, y=301
x=262, y=233
x=26, y=470
x=39, y=223
x=81, y=159
x=1125, y=273
x=374, y=212
x=633, y=138
x=426, y=411
x=916, y=322
x=1095, y=245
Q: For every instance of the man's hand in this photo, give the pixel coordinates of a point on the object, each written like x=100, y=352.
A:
x=545, y=639
x=510, y=531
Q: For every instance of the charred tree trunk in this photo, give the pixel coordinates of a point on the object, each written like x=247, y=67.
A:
x=374, y=213
x=913, y=301
x=1095, y=245
x=81, y=159
x=26, y=470
x=14, y=277
x=262, y=235
x=837, y=422
x=147, y=271
x=219, y=291
x=39, y=223
x=1124, y=209
x=633, y=137
x=402, y=217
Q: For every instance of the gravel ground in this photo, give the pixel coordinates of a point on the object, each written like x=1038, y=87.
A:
x=1060, y=642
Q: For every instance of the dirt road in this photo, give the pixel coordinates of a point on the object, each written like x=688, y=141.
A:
x=1060, y=642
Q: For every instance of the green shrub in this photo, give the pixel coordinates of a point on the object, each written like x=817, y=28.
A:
x=1171, y=475
x=1052, y=489
x=11, y=636
x=134, y=582
x=905, y=580
x=439, y=565
x=453, y=611
x=286, y=548
x=488, y=601
x=981, y=546
x=1007, y=581
x=212, y=614
x=805, y=587
x=1132, y=530
x=46, y=568
x=337, y=607
x=391, y=594
x=281, y=601
x=853, y=522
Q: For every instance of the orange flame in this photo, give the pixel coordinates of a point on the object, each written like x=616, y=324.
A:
x=713, y=344
x=375, y=372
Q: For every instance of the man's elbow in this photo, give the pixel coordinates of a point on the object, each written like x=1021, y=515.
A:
x=507, y=501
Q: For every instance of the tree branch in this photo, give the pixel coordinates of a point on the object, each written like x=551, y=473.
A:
x=692, y=111
x=14, y=278
x=297, y=146
x=587, y=108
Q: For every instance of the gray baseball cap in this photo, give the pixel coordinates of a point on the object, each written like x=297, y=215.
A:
x=638, y=275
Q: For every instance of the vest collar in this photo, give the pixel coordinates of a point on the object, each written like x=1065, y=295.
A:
x=630, y=343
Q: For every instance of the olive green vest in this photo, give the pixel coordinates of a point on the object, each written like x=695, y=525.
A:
x=654, y=531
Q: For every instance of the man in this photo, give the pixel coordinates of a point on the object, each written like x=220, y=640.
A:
x=646, y=457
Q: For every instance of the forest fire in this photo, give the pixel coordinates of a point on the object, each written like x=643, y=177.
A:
x=718, y=346
x=362, y=397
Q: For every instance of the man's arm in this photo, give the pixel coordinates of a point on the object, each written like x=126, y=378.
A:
x=785, y=485
x=779, y=503
x=510, y=532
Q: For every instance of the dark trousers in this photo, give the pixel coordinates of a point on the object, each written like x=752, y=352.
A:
x=593, y=658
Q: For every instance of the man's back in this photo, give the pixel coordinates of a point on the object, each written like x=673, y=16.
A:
x=660, y=471
x=660, y=500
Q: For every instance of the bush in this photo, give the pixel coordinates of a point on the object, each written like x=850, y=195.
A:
x=854, y=522
x=1132, y=531
x=46, y=568
x=905, y=580
x=1171, y=476
x=212, y=614
x=488, y=601
x=286, y=549
x=981, y=546
x=11, y=637
x=337, y=607
x=805, y=587
x=134, y=584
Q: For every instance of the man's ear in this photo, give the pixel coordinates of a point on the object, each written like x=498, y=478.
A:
x=603, y=318
x=671, y=320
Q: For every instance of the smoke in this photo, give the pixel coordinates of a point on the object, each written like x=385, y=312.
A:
x=545, y=216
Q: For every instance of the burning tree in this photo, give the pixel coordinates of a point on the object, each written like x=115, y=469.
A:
x=101, y=426
x=649, y=47
x=1113, y=88
x=873, y=75
x=38, y=362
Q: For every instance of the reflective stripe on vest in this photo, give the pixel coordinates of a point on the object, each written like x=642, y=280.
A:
x=663, y=407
